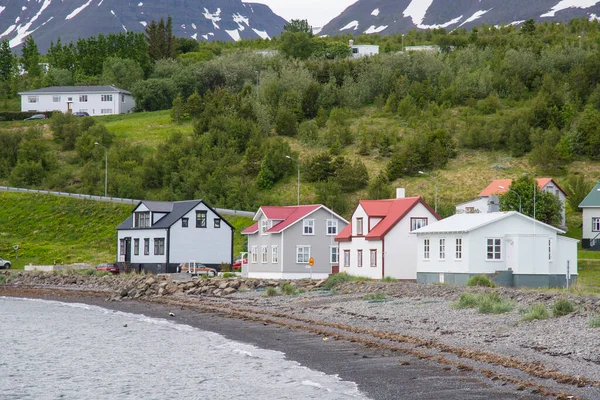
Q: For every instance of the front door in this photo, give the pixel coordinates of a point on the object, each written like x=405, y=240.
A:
x=128, y=250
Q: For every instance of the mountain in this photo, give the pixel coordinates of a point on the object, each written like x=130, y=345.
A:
x=205, y=20
x=399, y=16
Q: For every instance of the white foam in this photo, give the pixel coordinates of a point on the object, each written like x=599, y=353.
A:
x=372, y=29
x=375, y=12
x=235, y=34
x=564, y=4
x=351, y=25
x=262, y=34
x=78, y=10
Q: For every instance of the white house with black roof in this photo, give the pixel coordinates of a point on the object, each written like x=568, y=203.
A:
x=160, y=235
x=95, y=100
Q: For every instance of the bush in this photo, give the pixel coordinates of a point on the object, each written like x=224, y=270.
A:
x=338, y=279
x=561, y=307
x=493, y=303
x=594, y=321
x=480, y=280
x=466, y=300
x=288, y=289
x=271, y=291
x=537, y=311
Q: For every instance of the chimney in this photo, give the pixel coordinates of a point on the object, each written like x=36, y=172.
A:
x=351, y=42
x=400, y=193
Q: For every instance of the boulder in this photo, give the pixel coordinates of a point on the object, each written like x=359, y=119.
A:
x=229, y=291
x=224, y=285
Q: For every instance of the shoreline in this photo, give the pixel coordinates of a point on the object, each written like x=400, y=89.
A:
x=380, y=373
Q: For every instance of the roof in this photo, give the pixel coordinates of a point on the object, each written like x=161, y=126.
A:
x=392, y=211
x=459, y=223
x=287, y=215
x=494, y=188
x=76, y=89
x=592, y=199
x=175, y=211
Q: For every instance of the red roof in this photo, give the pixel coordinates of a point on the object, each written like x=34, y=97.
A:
x=494, y=189
x=392, y=211
x=287, y=215
x=251, y=229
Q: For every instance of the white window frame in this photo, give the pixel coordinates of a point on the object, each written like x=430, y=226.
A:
x=308, y=227
x=596, y=224
x=495, y=254
x=458, y=248
x=55, y=99
x=426, y=249
x=442, y=248
x=254, y=252
x=417, y=222
x=334, y=255
x=373, y=258
x=359, y=258
x=33, y=99
x=359, y=227
x=264, y=254
x=550, y=248
x=159, y=246
x=264, y=226
x=106, y=97
x=346, y=258
x=106, y=111
x=83, y=98
x=304, y=252
x=332, y=227
x=274, y=254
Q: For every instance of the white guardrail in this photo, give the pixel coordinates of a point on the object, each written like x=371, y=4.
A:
x=222, y=211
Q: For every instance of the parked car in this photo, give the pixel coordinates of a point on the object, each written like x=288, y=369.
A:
x=196, y=268
x=4, y=263
x=36, y=116
x=81, y=114
x=109, y=267
x=237, y=264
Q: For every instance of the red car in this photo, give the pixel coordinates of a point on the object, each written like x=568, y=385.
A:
x=237, y=264
x=109, y=267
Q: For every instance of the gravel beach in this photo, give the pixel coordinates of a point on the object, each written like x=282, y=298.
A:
x=408, y=343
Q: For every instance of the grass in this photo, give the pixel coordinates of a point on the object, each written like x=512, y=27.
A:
x=375, y=296
x=594, y=321
x=271, y=291
x=480, y=280
x=338, y=279
x=466, y=300
x=389, y=279
x=486, y=303
x=537, y=311
x=289, y=290
x=589, y=273
x=561, y=307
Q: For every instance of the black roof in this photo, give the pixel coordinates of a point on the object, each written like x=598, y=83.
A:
x=77, y=89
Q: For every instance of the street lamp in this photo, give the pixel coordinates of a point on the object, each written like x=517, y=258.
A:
x=298, y=176
x=436, y=189
x=515, y=192
x=105, y=168
x=403, y=42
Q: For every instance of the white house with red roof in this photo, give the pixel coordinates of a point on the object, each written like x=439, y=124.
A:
x=488, y=198
x=285, y=238
x=378, y=242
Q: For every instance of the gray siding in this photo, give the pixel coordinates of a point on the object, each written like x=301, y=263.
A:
x=503, y=278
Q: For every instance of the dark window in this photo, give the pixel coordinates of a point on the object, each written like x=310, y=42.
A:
x=146, y=246
x=122, y=247
x=142, y=219
x=136, y=247
x=200, y=219
x=159, y=246
x=217, y=222
x=184, y=222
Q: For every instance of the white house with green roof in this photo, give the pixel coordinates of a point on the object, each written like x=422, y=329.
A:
x=591, y=219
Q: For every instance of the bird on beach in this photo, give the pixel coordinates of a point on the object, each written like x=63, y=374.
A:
x=171, y=314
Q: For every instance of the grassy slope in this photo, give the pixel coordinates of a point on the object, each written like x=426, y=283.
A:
x=50, y=229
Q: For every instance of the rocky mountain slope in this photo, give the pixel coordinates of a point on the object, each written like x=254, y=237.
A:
x=205, y=20
x=398, y=16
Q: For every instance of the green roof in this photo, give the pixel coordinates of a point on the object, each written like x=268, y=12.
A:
x=593, y=198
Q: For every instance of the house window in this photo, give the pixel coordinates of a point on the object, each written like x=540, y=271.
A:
x=354, y=50
x=56, y=99
x=159, y=246
x=596, y=224
x=122, y=247
x=359, y=258
x=200, y=219
x=274, y=254
x=416, y=223
x=425, y=249
x=264, y=226
x=142, y=219
x=359, y=226
x=494, y=249
x=549, y=249
x=264, y=254
x=332, y=226
x=146, y=246
x=373, y=258
x=83, y=98
x=254, y=252
x=309, y=227
x=333, y=255
x=136, y=247
x=469, y=210
x=302, y=254
x=185, y=222
x=106, y=111
x=32, y=99
x=458, y=254
x=347, y=258
x=69, y=99
x=217, y=223
x=106, y=97
x=442, y=249
x=122, y=98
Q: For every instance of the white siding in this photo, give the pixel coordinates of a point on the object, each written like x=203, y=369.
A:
x=94, y=104
x=565, y=254
x=450, y=264
x=479, y=205
x=142, y=234
x=588, y=214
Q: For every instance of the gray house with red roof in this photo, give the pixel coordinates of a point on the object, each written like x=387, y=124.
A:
x=159, y=235
x=284, y=239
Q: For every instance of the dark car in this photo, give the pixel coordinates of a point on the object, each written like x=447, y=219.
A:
x=109, y=267
x=81, y=114
x=36, y=116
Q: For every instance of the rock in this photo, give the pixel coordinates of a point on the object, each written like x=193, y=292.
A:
x=229, y=291
x=224, y=285
x=320, y=283
x=234, y=284
x=150, y=281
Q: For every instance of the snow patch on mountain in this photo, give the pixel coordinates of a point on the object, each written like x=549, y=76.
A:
x=375, y=12
x=475, y=16
x=372, y=29
x=2, y=9
x=214, y=18
x=438, y=26
x=195, y=36
x=235, y=34
x=144, y=23
x=351, y=25
x=22, y=31
x=78, y=10
x=194, y=26
x=594, y=17
x=140, y=4
x=101, y=1
x=564, y=4
x=262, y=34
x=416, y=10
x=8, y=30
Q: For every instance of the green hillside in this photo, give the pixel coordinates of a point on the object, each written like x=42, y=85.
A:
x=51, y=229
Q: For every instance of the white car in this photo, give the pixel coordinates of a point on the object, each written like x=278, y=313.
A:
x=4, y=263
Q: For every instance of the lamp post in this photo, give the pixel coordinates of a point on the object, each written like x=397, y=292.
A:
x=436, y=189
x=515, y=192
x=105, y=168
x=403, y=42
x=298, y=176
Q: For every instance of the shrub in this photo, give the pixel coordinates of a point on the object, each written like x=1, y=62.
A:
x=480, y=280
x=466, y=300
x=561, y=307
x=537, y=311
x=338, y=279
x=271, y=291
x=594, y=321
x=389, y=279
x=375, y=296
x=288, y=289
x=228, y=275
x=493, y=303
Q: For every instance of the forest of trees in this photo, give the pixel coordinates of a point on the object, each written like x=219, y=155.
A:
x=531, y=91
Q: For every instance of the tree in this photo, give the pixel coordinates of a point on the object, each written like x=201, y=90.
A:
x=330, y=194
x=296, y=45
x=154, y=94
x=160, y=39
x=577, y=189
x=31, y=57
x=178, y=109
x=298, y=25
x=380, y=188
x=123, y=73
x=7, y=62
x=547, y=207
x=528, y=27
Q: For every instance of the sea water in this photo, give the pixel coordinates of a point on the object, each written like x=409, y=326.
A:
x=54, y=350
